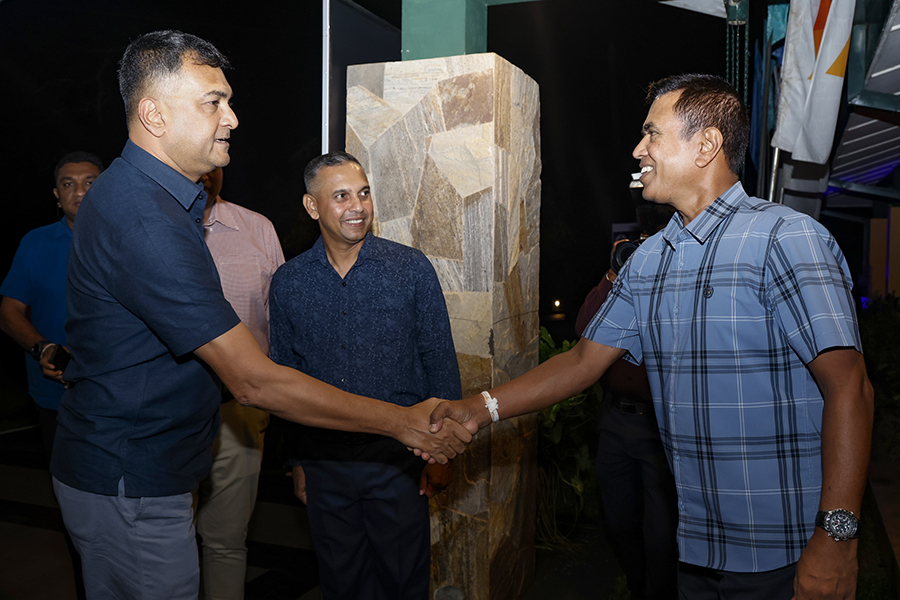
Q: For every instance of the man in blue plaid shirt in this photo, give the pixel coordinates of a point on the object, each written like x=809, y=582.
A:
x=741, y=311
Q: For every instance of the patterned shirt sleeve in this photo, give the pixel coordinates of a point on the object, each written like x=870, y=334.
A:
x=808, y=290
x=434, y=340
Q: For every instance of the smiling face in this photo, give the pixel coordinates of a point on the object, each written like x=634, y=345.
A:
x=341, y=201
x=668, y=168
x=72, y=183
x=198, y=119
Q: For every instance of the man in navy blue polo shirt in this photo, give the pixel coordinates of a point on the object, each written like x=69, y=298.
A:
x=149, y=325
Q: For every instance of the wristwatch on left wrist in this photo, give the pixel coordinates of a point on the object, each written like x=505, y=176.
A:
x=840, y=523
x=38, y=349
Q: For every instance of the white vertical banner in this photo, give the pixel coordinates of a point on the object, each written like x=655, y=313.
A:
x=815, y=62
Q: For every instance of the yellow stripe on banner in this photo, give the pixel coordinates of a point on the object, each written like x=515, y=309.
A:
x=839, y=67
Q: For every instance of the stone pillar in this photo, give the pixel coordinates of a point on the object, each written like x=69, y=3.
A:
x=452, y=149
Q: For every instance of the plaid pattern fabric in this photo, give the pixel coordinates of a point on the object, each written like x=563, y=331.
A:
x=726, y=312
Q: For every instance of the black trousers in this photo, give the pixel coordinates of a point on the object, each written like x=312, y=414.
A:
x=47, y=422
x=369, y=525
x=639, y=502
x=699, y=583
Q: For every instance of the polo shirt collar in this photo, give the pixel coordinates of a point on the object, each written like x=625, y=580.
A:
x=709, y=220
x=180, y=187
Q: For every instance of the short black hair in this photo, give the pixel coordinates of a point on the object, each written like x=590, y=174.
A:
x=709, y=101
x=159, y=54
x=78, y=156
x=332, y=159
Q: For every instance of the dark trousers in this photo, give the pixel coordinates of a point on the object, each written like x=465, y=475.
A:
x=370, y=528
x=47, y=422
x=699, y=583
x=639, y=502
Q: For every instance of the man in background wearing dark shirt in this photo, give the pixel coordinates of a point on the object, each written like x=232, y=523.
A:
x=148, y=322
x=366, y=315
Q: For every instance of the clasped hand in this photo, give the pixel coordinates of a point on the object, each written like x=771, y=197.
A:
x=434, y=444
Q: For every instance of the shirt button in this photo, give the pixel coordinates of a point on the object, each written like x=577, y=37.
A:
x=343, y=380
x=343, y=312
x=344, y=283
x=196, y=220
x=343, y=347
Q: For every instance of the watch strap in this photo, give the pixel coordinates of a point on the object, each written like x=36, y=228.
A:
x=38, y=349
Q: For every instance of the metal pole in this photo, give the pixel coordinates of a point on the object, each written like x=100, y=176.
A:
x=763, y=158
x=776, y=157
x=326, y=73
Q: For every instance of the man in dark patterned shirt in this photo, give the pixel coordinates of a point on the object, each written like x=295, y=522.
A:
x=366, y=315
x=741, y=311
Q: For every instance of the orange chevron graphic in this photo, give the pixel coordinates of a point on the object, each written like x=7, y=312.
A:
x=839, y=67
x=819, y=26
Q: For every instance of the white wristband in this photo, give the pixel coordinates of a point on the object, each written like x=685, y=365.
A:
x=492, y=406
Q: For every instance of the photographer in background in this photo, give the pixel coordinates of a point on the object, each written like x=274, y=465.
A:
x=33, y=310
x=636, y=484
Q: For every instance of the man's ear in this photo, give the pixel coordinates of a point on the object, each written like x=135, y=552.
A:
x=711, y=141
x=151, y=116
x=56, y=193
x=310, y=204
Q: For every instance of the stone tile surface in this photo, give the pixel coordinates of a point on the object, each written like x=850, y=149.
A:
x=452, y=149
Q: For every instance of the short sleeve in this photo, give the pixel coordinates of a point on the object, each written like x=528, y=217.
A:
x=808, y=289
x=616, y=324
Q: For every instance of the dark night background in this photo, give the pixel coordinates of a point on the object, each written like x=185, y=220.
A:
x=592, y=60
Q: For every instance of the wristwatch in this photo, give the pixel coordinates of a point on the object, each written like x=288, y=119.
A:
x=38, y=349
x=841, y=524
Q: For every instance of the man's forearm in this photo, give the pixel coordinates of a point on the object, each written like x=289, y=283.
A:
x=846, y=428
x=15, y=323
x=297, y=397
x=562, y=376
x=254, y=380
x=828, y=568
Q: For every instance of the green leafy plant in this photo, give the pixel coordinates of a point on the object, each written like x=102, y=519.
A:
x=567, y=446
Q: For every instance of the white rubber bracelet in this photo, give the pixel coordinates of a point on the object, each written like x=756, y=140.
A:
x=492, y=405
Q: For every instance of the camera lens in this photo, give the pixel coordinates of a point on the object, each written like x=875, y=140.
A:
x=621, y=252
